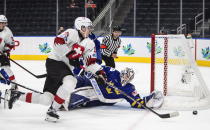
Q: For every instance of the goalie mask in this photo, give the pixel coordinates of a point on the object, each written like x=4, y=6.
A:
x=126, y=75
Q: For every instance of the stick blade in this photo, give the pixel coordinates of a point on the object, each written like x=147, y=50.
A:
x=174, y=114
x=169, y=115
x=41, y=76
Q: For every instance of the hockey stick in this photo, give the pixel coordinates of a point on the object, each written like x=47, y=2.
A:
x=37, y=76
x=168, y=115
x=26, y=87
x=3, y=99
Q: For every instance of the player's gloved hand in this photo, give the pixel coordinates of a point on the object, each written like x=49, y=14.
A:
x=6, y=54
x=4, y=78
x=75, y=54
x=74, y=62
x=101, y=77
x=7, y=50
x=138, y=103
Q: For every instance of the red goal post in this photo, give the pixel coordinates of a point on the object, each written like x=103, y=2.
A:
x=153, y=61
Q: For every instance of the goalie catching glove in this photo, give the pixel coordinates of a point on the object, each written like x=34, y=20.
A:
x=139, y=104
x=154, y=100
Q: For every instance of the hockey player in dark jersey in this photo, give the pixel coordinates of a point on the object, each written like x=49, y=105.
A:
x=93, y=92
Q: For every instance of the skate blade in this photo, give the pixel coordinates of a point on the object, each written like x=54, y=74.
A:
x=6, y=98
x=51, y=119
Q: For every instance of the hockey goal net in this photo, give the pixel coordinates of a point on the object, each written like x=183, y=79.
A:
x=175, y=73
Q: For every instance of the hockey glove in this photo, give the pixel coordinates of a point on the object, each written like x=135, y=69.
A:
x=75, y=54
x=7, y=50
x=4, y=78
x=139, y=104
x=101, y=77
x=74, y=62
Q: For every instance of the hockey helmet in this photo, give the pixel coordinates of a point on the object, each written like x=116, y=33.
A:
x=127, y=75
x=82, y=22
x=117, y=28
x=3, y=19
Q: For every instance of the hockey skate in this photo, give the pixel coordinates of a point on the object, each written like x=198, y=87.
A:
x=0, y=96
x=52, y=115
x=6, y=98
x=10, y=97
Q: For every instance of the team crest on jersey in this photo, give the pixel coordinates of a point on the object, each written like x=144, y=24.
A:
x=45, y=48
x=206, y=53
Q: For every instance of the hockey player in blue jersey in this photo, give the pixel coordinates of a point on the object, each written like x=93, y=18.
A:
x=90, y=92
x=93, y=92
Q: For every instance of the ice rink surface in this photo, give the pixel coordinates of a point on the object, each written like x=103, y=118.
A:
x=118, y=117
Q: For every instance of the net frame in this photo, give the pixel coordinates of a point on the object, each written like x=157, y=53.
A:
x=203, y=101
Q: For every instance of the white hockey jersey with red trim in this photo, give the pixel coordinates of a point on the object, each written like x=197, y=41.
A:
x=6, y=39
x=63, y=45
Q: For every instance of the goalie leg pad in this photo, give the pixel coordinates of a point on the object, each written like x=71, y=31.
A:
x=77, y=101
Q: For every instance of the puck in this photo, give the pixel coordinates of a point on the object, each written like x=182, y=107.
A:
x=195, y=112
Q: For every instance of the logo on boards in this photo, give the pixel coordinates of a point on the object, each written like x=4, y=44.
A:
x=45, y=48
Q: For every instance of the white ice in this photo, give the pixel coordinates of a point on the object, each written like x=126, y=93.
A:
x=118, y=117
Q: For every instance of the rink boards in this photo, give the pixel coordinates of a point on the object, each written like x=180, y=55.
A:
x=133, y=49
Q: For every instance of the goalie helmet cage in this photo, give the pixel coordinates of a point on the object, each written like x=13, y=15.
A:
x=175, y=73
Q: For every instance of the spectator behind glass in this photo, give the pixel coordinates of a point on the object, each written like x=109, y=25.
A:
x=60, y=30
x=91, y=9
x=72, y=4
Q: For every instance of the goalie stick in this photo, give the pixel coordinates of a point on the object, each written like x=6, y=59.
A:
x=37, y=76
x=168, y=115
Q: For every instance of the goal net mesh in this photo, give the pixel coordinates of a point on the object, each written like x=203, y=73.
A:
x=175, y=73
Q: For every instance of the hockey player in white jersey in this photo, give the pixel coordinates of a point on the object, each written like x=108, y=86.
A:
x=6, y=44
x=69, y=46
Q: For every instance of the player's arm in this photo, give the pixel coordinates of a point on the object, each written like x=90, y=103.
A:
x=90, y=57
x=61, y=44
x=153, y=100
x=4, y=78
x=62, y=48
x=9, y=43
x=130, y=90
x=97, y=46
